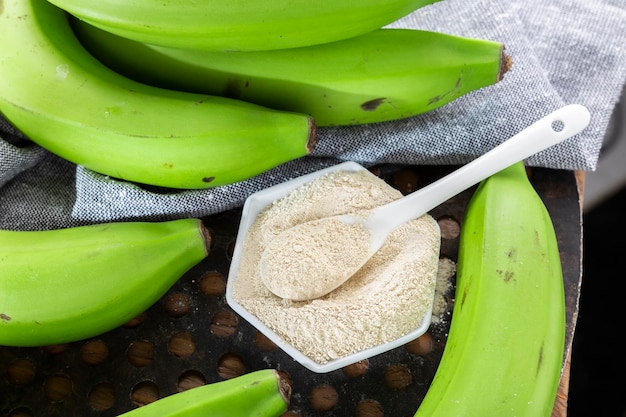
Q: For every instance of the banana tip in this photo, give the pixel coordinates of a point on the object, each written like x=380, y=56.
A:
x=206, y=235
x=506, y=63
x=312, y=142
x=284, y=387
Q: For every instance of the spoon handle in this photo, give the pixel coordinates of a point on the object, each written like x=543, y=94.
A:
x=548, y=131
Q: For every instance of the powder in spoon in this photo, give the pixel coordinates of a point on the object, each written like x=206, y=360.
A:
x=292, y=268
x=386, y=299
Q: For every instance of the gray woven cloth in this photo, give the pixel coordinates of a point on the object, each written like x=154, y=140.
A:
x=564, y=51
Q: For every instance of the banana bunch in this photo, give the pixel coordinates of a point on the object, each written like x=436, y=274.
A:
x=504, y=352
x=265, y=77
x=64, y=285
x=66, y=101
x=262, y=393
x=239, y=25
x=383, y=75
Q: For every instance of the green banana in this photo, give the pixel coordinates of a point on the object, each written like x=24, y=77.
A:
x=504, y=353
x=262, y=393
x=239, y=25
x=383, y=75
x=64, y=285
x=66, y=101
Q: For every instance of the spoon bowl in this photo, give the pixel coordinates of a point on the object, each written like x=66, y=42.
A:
x=289, y=275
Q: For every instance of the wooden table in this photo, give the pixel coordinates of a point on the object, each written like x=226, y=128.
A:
x=191, y=336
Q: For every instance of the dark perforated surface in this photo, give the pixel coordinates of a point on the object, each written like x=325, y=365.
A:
x=192, y=337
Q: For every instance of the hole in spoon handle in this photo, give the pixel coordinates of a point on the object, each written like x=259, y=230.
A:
x=548, y=131
x=569, y=120
x=544, y=133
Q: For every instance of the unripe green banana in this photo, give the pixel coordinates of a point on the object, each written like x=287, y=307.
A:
x=383, y=75
x=239, y=25
x=262, y=393
x=504, y=353
x=66, y=101
x=64, y=285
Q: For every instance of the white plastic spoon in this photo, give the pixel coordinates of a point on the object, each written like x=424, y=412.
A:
x=302, y=263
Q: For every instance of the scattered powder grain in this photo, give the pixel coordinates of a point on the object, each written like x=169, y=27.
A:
x=386, y=299
x=443, y=288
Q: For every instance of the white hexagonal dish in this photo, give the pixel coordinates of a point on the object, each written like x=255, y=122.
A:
x=254, y=205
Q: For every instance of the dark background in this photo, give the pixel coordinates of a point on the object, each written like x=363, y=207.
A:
x=598, y=366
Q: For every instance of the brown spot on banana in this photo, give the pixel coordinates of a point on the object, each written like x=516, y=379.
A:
x=463, y=297
x=512, y=254
x=540, y=359
x=507, y=276
x=372, y=105
x=457, y=86
x=5, y=317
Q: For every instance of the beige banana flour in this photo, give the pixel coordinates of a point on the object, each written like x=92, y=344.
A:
x=385, y=300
